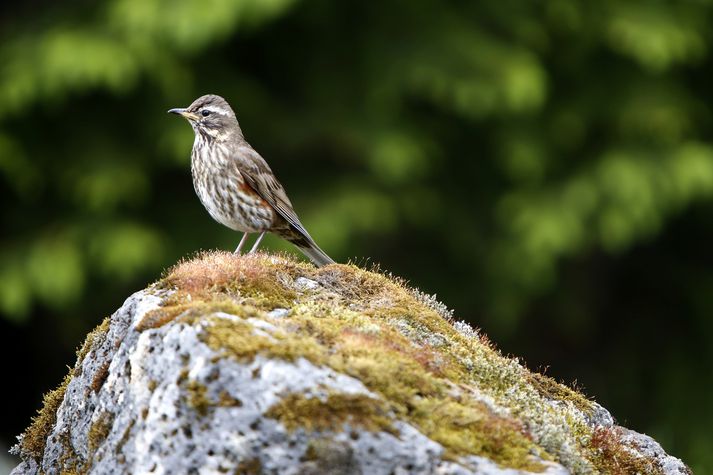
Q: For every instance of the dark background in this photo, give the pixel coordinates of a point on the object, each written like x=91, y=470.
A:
x=546, y=168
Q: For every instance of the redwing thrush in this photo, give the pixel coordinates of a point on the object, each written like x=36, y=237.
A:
x=235, y=184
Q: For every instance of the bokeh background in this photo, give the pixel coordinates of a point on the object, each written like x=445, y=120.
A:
x=546, y=168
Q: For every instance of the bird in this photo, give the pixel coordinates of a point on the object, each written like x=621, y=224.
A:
x=236, y=185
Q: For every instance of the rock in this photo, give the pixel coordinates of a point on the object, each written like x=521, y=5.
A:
x=260, y=364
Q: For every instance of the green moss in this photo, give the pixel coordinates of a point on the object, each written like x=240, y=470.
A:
x=238, y=339
x=327, y=455
x=396, y=342
x=355, y=332
x=551, y=389
x=125, y=436
x=197, y=397
x=181, y=305
x=182, y=376
x=69, y=461
x=468, y=427
x=296, y=411
x=226, y=400
x=408, y=377
x=251, y=466
x=99, y=430
x=94, y=337
x=35, y=437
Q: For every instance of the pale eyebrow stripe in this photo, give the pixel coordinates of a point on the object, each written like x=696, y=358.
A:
x=213, y=109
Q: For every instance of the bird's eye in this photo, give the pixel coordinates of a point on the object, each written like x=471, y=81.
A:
x=205, y=113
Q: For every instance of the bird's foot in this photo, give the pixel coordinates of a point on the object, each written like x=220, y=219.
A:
x=241, y=243
x=257, y=242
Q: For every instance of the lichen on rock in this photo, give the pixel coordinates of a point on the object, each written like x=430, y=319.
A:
x=262, y=364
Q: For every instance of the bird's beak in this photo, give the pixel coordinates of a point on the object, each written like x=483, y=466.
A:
x=184, y=113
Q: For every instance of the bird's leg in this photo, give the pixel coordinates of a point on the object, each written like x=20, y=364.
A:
x=240, y=244
x=257, y=242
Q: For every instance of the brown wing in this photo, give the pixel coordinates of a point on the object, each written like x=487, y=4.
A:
x=258, y=175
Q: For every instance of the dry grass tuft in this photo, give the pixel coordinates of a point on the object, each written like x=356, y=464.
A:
x=615, y=457
x=217, y=270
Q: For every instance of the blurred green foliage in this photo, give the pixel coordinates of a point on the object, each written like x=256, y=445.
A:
x=500, y=153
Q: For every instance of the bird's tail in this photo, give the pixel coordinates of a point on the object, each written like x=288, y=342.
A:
x=304, y=242
x=314, y=253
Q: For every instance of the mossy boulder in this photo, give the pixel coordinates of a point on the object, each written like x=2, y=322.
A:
x=261, y=364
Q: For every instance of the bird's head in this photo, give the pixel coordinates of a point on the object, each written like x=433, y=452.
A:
x=211, y=115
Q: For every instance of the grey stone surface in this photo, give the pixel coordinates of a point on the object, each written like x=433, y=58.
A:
x=142, y=421
x=651, y=449
x=162, y=401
